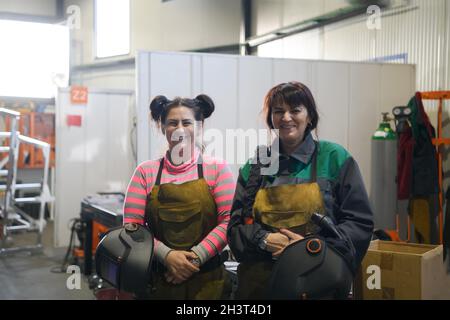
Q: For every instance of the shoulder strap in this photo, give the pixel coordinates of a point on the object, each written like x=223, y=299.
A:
x=200, y=167
x=254, y=183
x=158, y=177
x=314, y=163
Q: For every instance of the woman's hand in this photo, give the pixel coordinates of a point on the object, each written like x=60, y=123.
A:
x=292, y=236
x=179, y=267
x=276, y=241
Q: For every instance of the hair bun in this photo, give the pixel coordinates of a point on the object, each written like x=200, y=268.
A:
x=157, y=106
x=206, y=104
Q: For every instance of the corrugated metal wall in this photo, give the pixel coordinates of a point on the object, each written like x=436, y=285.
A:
x=417, y=33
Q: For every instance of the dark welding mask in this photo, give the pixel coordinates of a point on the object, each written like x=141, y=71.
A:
x=124, y=257
x=310, y=269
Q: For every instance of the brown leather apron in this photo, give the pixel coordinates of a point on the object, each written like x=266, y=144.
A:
x=181, y=216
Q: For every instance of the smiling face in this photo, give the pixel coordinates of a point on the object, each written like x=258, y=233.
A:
x=179, y=129
x=290, y=108
x=291, y=123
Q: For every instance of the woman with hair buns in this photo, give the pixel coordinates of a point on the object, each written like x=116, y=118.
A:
x=185, y=198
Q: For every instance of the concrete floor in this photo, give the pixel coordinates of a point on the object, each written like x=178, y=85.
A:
x=26, y=275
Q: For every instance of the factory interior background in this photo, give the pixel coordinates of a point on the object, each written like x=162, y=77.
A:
x=77, y=78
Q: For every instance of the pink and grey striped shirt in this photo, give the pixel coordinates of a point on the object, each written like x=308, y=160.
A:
x=218, y=176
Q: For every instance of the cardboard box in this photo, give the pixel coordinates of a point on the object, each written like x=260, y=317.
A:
x=405, y=271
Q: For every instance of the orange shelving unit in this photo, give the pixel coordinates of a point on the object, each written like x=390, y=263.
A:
x=438, y=142
x=40, y=126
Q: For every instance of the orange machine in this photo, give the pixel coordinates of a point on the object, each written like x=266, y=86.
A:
x=98, y=230
x=100, y=212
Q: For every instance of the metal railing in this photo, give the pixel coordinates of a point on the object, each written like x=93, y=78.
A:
x=13, y=218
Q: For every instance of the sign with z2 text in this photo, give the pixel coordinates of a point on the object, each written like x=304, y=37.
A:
x=78, y=95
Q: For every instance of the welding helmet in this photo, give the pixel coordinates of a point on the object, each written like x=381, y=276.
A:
x=310, y=269
x=124, y=257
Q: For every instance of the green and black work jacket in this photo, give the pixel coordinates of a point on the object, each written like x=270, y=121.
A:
x=341, y=184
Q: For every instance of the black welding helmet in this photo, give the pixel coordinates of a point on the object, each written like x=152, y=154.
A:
x=124, y=257
x=310, y=269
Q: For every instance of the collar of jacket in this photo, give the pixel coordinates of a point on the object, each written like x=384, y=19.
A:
x=304, y=151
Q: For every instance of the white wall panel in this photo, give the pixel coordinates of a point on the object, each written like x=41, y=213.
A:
x=170, y=75
x=219, y=76
x=196, y=75
x=255, y=79
x=69, y=168
x=330, y=89
x=285, y=70
x=94, y=157
x=119, y=158
x=363, y=116
x=142, y=100
x=349, y=96
x=95, y=124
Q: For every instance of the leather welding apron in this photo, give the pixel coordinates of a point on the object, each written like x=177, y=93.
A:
x=181, y=216
x=285, y=206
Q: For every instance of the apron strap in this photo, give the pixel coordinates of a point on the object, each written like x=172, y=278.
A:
x=158, y=177
x=314, y=164
x=161, y=165
x=254, y=182
x=200, y=167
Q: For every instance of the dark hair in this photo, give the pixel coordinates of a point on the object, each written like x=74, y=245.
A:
x=201, y=105
x=293, y=94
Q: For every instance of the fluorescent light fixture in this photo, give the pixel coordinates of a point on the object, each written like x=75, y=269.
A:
x=276, y=34
x=261, y=39
x=112, y=27
x=297, y=27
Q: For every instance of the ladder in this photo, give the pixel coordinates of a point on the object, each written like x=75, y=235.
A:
x=12, y=218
